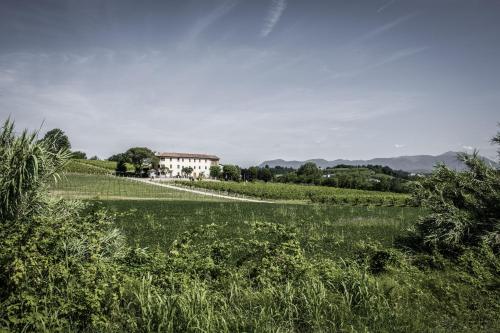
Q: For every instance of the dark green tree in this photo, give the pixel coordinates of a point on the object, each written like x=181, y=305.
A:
x=231, y=172
x=140, y=157
x=121, y=166
x=265, y=174
x=80, y=155
x=187, y=171
x=253, y=173
x=117, y=157
x=309, y=169
x=58, y=140
x=215, y=171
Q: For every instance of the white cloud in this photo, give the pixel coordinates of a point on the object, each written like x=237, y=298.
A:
x=398, y=146
x=273, y=16
x=468, y=147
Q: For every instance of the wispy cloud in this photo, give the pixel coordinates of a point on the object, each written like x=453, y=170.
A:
x=273, y=16
x=398, y=146
x=393, y=57
x=388, y=26
x=385, y=5
x=206, y=21
x=468, y=147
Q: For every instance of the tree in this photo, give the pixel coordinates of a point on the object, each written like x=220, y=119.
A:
x=79, y=155
x=94, y=158
x=215, y=171
x=253, y=173
x=140, y=157
x=121, y=166
x=117, y=157
x=309, y=173
x=187, y=171
x=309, y=169
x=231, y=172
x=58, y=140
x=265, y=174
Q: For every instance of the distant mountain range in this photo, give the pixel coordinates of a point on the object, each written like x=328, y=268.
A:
x=417, y=163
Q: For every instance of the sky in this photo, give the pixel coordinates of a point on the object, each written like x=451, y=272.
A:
x=255, y=80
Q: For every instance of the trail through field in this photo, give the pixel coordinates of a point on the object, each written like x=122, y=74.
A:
x=199, y=192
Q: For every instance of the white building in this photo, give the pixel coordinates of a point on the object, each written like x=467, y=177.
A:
x=173, y=163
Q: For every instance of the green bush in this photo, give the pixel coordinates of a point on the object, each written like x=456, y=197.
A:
x=464, y=206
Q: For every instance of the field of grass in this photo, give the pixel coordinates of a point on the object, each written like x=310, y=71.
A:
x=322, y=229
x=97, y=186
x=320, y=194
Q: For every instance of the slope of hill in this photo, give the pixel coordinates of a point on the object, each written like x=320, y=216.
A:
x=416, y=163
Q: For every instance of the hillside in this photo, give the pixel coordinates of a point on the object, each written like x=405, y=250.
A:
x=416, y=163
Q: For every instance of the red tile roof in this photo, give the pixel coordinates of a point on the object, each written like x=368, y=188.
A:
x=188, y=155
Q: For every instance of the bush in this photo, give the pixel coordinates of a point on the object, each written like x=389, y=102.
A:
x=464, y=206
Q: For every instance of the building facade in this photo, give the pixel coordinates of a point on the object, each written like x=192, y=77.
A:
x=173, y=163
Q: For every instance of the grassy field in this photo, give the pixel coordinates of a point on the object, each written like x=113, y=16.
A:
x=322, y=229
x=320, y=194
x=97, y=186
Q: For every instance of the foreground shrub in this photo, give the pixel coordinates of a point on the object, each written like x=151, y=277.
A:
x=464, y=206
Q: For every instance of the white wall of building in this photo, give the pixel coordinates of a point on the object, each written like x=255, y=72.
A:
x=200, y=165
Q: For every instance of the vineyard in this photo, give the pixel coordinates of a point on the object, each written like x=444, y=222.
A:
x=93, y=167
x=317, y=194
x=102, y=186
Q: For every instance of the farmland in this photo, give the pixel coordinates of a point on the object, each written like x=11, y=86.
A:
x=98, y=186
x=93, y=167
x=322, y=229
x=319, y=194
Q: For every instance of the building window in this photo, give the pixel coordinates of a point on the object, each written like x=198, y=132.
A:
x=178, y=166
x=162, y=159
x=170, y=159
x=189, y=160
x=170, y=166
x=205, y=167
x=177, y=159
x=182, y=160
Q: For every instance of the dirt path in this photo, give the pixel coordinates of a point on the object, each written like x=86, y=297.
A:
x=198, y=192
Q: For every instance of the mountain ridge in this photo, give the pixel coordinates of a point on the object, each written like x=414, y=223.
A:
x=409, y=163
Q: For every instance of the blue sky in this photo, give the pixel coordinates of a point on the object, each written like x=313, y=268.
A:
x=255, y=80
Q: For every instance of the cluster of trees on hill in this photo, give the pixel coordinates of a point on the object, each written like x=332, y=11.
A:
x=142, y=158
x=370, y=177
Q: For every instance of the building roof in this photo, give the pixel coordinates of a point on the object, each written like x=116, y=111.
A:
x=188, y=155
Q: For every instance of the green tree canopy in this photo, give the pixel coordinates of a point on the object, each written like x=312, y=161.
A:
x=231, y=172
x=215, y=171
x=265, y=174
x=140, y=157
x=309, y=169
x=79, y=155
x=121, y=166
x=58, y=140
x=187, y=171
